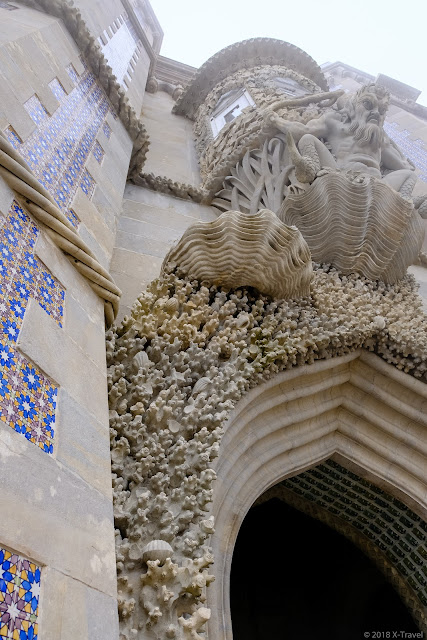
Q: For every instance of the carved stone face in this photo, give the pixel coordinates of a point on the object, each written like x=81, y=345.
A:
x=370, y=110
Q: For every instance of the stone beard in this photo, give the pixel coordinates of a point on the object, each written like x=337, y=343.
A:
x=367, y=134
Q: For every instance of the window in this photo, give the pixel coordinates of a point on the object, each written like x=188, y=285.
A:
x=290, y=86
x=228, y=107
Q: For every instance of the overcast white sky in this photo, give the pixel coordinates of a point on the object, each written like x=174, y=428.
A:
x=376, y=36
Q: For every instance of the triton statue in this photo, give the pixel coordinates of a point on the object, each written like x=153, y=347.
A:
x=354, y=141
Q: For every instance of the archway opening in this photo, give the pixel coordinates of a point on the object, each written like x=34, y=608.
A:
x=294, y=577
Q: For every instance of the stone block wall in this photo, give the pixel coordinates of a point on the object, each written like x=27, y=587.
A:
x=149, y=225
x=127, y=55
x=172, y=150
x=56, y=528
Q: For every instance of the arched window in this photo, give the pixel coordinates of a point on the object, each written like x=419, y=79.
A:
x=228, y=107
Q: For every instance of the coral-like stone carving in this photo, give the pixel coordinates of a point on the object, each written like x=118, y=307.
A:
x=359, y=225
x=237, y=250
x=204, y=349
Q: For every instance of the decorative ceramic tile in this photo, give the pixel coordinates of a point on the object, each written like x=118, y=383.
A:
x=415, y=150
x=19, y=597
x=98, y=152
x=58, y=150
x=23, y=275
x=87, y=183
x=27, y=396
x=57, y=89
x=36, y=110
x=72, y=73
x=73, y=218
x=13, y=137
x=399, y=532
x=107, y=130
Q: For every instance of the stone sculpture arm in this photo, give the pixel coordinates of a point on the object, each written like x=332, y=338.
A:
x=317, y=127
x=392, y=158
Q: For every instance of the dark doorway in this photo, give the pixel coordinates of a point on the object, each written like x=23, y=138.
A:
x=294, y=578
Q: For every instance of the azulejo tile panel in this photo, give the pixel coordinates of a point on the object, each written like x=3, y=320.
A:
x=27, y=396
x=59, y=148
x=415, y=150
x=73, y=218
x=57, y=89
x=106, y=129
x=13, y=137
x=36, y=110
x=19, y=596
x=72, y=73
x=98, y=152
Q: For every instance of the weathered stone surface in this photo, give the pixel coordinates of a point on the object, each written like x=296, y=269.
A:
x=204, y=349
x=238, y=250
x=358, y=224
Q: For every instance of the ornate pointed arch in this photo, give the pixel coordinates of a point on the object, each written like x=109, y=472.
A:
x=355, y=409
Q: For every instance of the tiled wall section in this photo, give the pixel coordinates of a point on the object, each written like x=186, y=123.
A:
x=399, y=532
x=415, y=150
x=27, y=397
x=60, y=146
x=121, y=47
x=19, y=597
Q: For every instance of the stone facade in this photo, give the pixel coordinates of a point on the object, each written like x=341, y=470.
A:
x=246, y=358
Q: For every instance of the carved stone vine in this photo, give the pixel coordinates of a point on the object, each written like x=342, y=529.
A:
x=177, y=366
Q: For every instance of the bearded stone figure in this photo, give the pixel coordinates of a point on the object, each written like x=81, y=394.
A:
x=355, y=141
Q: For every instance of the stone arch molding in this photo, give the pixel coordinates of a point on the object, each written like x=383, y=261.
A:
x=355, y=409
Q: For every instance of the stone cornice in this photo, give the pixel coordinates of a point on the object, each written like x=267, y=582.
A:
x=174, y=72
x=64, y=10
x=244, y=55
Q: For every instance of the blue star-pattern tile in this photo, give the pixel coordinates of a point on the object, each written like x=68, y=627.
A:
x=36, y=110
x=98, y=152
x=27, y=396
x=87, y=183
x=23, y=275
x=57, y=89
x=13, y=137
x=107, y=130
x=19, y=597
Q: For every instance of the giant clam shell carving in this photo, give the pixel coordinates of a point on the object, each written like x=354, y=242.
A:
x=360, y=225
x=238, y=250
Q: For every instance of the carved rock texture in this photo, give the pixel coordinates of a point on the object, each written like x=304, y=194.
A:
x=237, y=250
x=358, y=224
x=204, y=349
